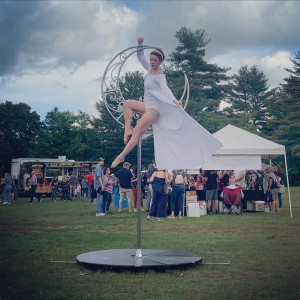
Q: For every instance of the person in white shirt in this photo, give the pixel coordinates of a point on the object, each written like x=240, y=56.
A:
x=240, y=178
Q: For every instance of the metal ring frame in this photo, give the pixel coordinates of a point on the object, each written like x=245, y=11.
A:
x=110, y=86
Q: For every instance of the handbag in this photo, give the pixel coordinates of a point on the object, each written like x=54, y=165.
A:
x=282, y=189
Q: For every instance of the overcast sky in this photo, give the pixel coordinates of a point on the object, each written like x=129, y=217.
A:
x=54, y=53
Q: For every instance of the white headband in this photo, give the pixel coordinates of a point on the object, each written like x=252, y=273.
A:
x=162, y=56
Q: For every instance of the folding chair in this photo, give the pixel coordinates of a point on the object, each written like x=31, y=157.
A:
x=233, y=199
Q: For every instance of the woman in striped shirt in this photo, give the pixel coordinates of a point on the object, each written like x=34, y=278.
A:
x=108, y=190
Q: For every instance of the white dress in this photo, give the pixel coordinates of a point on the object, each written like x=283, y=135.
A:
x=179, y=141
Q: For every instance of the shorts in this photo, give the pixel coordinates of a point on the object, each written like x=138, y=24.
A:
x=125, y=193
x=211, y=194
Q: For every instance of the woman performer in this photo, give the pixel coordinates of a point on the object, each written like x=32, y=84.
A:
x=179, y=141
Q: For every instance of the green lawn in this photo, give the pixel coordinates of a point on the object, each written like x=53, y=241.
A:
x=263, y=251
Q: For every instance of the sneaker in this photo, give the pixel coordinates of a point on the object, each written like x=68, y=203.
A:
x=171, y=217
x=97, y=215
x=149, y=218
x=5, y=202
x=180, y=217
x=40, y=201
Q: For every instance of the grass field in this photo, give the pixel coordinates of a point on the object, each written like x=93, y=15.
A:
x=263, y=251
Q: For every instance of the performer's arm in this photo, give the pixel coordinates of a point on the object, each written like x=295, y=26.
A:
x=166, y=90
x=141, y=56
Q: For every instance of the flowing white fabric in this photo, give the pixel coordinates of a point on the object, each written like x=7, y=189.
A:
x=179, y=141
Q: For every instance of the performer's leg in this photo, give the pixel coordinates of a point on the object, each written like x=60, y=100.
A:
x=143, y=124
x=129, y=107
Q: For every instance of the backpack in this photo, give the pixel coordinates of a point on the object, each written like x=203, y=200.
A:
x=179, y=178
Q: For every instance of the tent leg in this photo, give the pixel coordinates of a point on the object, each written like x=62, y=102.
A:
x=288, y=184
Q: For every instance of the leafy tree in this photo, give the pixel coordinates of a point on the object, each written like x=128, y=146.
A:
x=288, y=132
x=19, y=128
x=249, y=95
x=67, y=133
x=207, y=81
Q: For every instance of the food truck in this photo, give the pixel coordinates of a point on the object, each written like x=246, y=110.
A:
x=46, y=169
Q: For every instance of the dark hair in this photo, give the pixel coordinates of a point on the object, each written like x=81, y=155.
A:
x=279, y=170
x=159, y=53
x=104, y=170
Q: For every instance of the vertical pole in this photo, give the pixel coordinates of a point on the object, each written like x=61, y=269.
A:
x=139, y=183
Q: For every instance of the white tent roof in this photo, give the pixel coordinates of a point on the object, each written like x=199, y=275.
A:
x=239, y=141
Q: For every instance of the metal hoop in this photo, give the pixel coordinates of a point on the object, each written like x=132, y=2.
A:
x=110, y=86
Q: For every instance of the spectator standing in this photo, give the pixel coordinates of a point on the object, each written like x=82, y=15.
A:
x=124, y=177
x=90, y=178
x=178, y=180
x=224, y=178
x=54, y=184
x=16, y=185
x=159, y=205
x=7, y=189
x=65, y=188
x=99, y=185
x=273, y=186
x=108, y=190
x=278, y=174
x=240, y=178
x=151, y=169
x=73, y=185
x=33, y=184
x=85, y=187
x=78, y=191
x=134, y=183
x=211, y=190
x=1, y=188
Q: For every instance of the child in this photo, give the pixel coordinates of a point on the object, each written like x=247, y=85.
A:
x=78, y=191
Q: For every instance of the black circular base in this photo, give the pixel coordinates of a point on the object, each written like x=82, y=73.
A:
x=126, y=259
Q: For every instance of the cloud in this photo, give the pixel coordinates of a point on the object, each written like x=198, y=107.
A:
x=272, y=65
x=54, y=53
x=47, y=35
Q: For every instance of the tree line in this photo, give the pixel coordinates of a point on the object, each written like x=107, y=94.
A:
x=216, y=99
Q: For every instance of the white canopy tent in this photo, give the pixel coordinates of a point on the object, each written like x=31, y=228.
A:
x=243, y=150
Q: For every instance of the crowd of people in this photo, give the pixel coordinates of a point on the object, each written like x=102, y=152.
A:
x=156, y=185
x=9, y=189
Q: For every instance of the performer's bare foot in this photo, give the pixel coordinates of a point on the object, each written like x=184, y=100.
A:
x=117, y=161
x=127, y=134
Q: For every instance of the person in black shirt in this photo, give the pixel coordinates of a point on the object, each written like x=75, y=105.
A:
x=124, y=177
x=211, y=194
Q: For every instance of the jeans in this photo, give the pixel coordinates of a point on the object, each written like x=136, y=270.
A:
x=16, y=194
x=54, y=190
x=177, y=196
x=159, y=204
x=106, y=201
x=85, y=192
x=99, y=208
x=6, y=193
x=91, y=192
x=65, y=194
x=34, y=194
